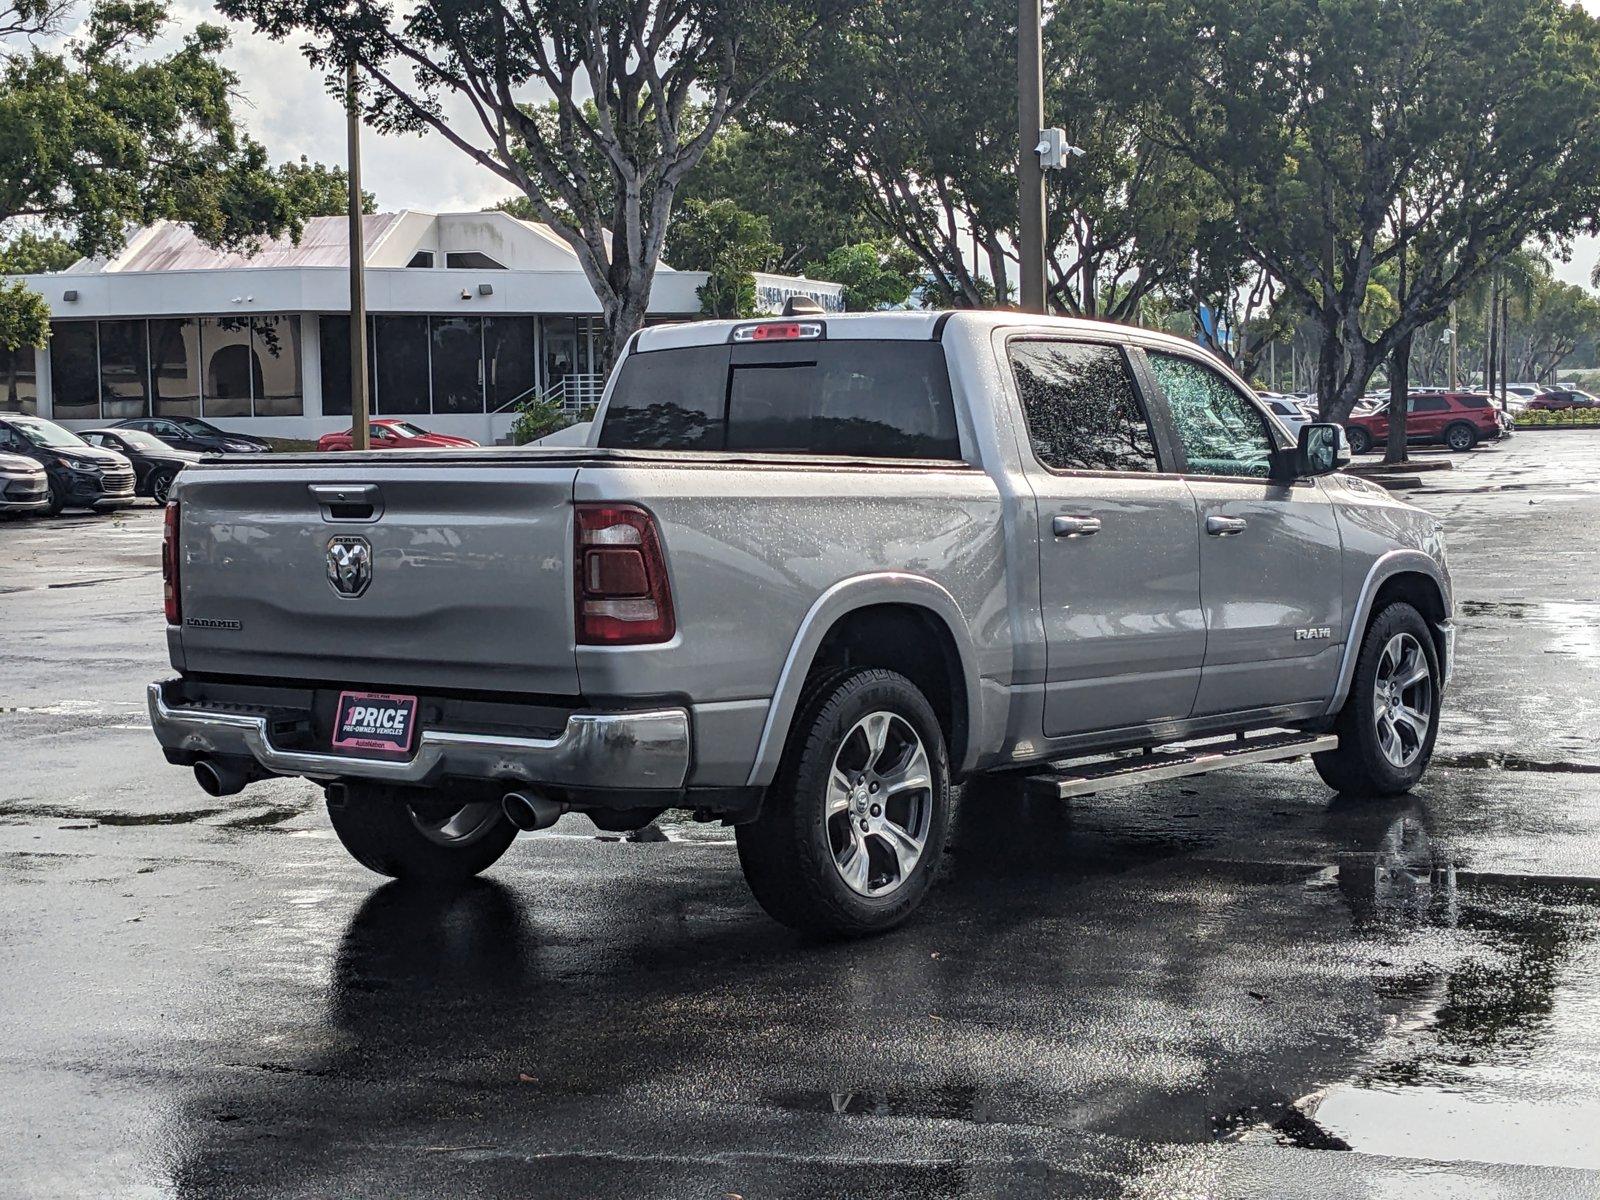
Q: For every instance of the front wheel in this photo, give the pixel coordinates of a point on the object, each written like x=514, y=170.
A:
x=1391, y=716
x=1461, y=438
x=416, y=835
x=161, y=486
x=1360, y=439
x=853, y=828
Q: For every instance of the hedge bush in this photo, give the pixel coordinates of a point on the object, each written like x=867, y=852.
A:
x=1581, y=418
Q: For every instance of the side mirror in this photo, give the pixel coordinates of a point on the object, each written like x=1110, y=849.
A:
x=1322, y=450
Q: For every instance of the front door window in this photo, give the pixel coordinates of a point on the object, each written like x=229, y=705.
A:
x=1221, y=431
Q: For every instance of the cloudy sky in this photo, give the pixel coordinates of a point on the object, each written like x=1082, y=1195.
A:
x=288, y=110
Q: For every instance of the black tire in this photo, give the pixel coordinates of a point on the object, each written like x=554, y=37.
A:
x=1360, y=440
x=57, y=501
x=161, y=486
x=790, y=854
x=401, y=832
x=1460, y=437
x=1360, y=766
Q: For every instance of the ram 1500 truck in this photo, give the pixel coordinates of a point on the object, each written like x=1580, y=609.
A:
x=808, y=574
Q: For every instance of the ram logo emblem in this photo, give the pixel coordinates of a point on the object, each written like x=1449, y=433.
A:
x=349, y=565
x=1316, y=633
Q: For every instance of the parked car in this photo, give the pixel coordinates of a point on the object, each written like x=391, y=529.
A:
x=1459, y=420
x=388, y=433
x=1560, y=399
x=155, y=464
x=24, y=487
x=1287, y=411
x=808, y=573
x=191, y=433
x=79, y=475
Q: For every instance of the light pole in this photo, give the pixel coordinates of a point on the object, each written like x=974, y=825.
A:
x=359, y=439
x=1030, y=172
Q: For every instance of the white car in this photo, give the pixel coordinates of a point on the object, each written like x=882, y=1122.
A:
x=1287, y=411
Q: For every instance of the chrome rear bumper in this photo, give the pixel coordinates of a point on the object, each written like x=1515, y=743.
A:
x=621, y=750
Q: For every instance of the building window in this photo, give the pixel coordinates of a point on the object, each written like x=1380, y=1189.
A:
x=19, y=385
x=508, y=359
x=275, y=346
x=124, y=370
x=175, y=367
x=422, y=258
x=472, y=260
x=74, y=371
x=456, y=354
x=400, y=350
x=230, y=369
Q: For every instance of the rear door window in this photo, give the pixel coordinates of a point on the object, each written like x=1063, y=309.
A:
x=1429, y=404
x=883, y=399
x=1080, y=407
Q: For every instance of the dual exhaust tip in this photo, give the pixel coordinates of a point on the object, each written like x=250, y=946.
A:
x=227, y=777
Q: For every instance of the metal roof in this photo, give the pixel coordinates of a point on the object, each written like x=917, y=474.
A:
x=325, y=242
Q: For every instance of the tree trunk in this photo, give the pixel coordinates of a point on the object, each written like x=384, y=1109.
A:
x=1399, y=393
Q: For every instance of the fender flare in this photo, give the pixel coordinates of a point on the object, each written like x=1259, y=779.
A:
x=1395, y=562
x=844, y=597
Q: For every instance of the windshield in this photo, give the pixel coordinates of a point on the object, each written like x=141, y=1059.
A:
x=144, y=441
x=44, y=433
x=406, y=429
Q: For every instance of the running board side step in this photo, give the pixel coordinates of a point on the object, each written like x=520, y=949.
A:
x=1152, y=766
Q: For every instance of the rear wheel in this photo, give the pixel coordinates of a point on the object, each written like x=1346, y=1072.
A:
x=853, y=828
x=1461, y=437
x=1360, y=439
x=1391, y=717
x=416, y=835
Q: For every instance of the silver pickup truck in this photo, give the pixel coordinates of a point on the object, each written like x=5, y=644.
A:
x=808, y=575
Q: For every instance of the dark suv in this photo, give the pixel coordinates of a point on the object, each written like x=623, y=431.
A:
x=80, y=475
x=1459, y=420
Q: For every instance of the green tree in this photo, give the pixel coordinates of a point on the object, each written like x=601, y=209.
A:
x=314, y=190
x=874, y=277
x=99, y=133
x=24, y=316
x=1318, y=120
x=909, y=107
x=31, y=253
x=764, y=171
x=720, y=238
x=639, y=88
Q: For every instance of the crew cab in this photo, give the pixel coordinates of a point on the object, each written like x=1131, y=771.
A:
x=1459, y=420
x=808, y=573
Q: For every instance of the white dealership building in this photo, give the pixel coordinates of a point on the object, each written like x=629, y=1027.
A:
x=469, y=314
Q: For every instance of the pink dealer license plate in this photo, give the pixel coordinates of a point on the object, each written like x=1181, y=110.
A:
x=374, y=721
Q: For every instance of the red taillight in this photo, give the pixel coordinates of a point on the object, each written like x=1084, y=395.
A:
x=169, y=564
x=620, y=577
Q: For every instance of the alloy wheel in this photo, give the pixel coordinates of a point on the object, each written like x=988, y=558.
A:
x=1402, y=702
x=879, y=804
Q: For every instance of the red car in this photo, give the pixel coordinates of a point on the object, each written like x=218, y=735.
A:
x=1555, y=401
x=387, y=433
x=1459, y=420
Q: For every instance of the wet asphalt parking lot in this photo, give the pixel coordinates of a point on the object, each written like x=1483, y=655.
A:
x=1238, y=985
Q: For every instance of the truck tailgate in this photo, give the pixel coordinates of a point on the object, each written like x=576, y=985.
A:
x=470, y=582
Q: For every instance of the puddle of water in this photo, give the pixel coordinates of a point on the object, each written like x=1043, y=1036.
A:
x=1494, y=1058
x=1514, y=762
x=1574, y=630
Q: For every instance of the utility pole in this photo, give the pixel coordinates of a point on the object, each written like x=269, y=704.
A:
x=1030, y=172
x=359, y=432
x=1454, y=363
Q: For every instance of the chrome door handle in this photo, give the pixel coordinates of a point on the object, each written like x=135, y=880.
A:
x=1224, y=526
x=1075, y=526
